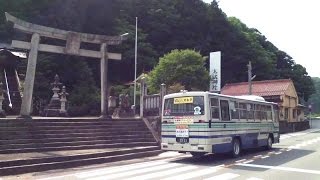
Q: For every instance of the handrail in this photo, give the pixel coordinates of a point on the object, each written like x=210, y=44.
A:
x=8, y=91
x=18, y=81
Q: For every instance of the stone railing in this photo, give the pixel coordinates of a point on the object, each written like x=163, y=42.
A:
x=151, y=105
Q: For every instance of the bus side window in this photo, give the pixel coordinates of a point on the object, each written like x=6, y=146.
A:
x=225, y=113
x=269, y=113
x=234, y=110
x=243, y=111
x=250, y=108
x=214, y=108
x=276, y=113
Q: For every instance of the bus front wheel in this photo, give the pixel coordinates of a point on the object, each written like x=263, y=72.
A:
x=236, y=148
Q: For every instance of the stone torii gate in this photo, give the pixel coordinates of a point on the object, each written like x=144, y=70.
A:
x=73, y=42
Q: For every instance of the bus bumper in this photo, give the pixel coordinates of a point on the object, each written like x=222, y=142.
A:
x=186, y=147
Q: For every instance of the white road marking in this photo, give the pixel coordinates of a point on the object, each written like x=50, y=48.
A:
x=110, y=170
x=288, y=149
x=263, y=157
x=163, y=173
x=135, y=172
x=241, y=160
x=224, y=176
x=138, y=165
x=286, y=136
x=309, y=142
x=171, y=154
x=257, y=156
x=280, y=168
x=247, y=161
x=254, y=178
x=277, y=153
x=195, y=174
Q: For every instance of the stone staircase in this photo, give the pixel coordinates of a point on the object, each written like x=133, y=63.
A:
x=46, y=144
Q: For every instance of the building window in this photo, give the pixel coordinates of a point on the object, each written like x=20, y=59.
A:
x=286, y=113
x=294, y=113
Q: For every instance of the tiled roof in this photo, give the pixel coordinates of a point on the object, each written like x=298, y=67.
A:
x=259, y=88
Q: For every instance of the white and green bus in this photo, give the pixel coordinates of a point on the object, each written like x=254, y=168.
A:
x=204, y=122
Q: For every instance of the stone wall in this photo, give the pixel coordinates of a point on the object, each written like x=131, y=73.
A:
x=286, y=127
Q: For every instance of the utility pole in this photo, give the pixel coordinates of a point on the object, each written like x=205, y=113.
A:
x=135, y=67
x=250, y=77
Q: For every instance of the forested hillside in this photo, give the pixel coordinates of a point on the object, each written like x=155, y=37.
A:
x=164, y=25
x=315, y=98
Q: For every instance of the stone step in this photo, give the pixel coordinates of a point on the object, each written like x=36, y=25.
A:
x=63, y=164
x=61, y=148
x=56, y=156
x=72, y=143
x=19, y=135
x=55, y=120
x=41, y=139
x=69, y=131
x=43, y=128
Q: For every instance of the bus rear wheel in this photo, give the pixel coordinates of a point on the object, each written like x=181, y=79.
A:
x=236, y=148
x=197, y=154
x=269, y=143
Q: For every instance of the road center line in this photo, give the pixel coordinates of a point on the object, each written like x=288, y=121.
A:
x=280, y=168
x=241, y=160
x=247, y=161
x=257, y=156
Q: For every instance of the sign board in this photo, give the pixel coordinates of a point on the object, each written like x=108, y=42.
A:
x=215, y=71
x=183, y=100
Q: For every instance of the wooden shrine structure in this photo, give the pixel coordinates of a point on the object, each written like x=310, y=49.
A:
x=72, y=47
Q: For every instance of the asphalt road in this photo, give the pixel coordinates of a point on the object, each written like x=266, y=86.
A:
x=296, y=157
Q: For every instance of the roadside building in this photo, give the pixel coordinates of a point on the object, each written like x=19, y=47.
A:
x=281, y=91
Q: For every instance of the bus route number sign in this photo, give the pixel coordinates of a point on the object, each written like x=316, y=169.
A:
x=183, y=100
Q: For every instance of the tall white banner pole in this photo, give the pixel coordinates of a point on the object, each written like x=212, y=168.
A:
x=215, y=72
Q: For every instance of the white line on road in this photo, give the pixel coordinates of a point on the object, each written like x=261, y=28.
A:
x=254, y=178
x=225, y=176
x=247, y=161
x=241, y=160
x=280, y=168
x=277, y=153
x=196, y=174
x=110, y=170
x=257, y=156
x=263, y=157
x=135, y=172
x=163, y=173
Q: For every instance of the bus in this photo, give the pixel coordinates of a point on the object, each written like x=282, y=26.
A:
x=203, y=122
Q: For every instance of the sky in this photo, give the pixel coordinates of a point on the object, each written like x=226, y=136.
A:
x=291, y=25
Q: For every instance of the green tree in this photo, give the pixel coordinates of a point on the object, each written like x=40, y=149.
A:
x=180, y=66
x=315, y=98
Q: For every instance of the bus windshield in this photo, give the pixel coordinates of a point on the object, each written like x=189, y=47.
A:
x=184, y=106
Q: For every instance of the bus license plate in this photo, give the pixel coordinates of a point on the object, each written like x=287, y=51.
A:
x=182, y=140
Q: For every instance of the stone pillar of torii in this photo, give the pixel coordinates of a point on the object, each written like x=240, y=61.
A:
x=72, y=47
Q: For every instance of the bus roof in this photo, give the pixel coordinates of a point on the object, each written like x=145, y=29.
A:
x=202, y=93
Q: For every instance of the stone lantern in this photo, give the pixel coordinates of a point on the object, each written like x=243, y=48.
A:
x=63, y=100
